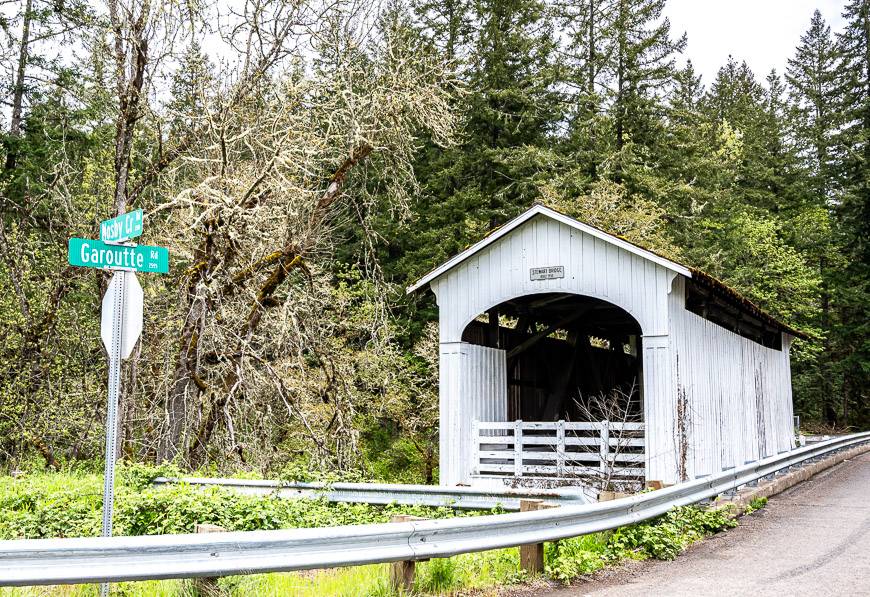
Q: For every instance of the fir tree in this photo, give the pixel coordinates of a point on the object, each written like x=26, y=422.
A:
x=644, y=63
x=812, y=78
x=511, y=111
x=852, y=216
x=586, y=74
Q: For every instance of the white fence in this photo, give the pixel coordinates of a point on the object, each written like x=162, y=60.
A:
x=565, y=450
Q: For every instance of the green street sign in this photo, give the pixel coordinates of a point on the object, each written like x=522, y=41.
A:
x=84, y=252
x=124, y=227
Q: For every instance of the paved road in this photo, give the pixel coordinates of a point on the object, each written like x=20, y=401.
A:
x=812, y=540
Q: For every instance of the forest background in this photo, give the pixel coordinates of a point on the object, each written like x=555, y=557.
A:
x=319, y=156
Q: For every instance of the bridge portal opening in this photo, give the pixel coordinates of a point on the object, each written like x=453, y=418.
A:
x=569, y=357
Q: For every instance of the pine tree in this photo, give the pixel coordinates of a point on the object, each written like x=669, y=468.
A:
x=855, y=64
x=447, y=24
x=644, y=62
x=763, y=174
x=587, y=71
x=852, y=216
x=814, y=89
x=812, y=78
x=511, y=111
x=686, y=152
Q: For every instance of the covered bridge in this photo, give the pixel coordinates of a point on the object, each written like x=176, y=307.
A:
x=570, y=355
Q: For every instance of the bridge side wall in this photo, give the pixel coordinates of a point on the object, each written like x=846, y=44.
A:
x=734, y=394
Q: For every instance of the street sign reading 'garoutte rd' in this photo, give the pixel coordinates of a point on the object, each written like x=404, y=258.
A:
x=85, y=252
x=124, y=227
x=121, y=319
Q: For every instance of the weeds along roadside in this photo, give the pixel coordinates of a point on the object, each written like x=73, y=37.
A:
x=69, y=504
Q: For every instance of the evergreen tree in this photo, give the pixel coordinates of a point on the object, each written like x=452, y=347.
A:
x=511, y=111
x=852, y=216
x=447, y=24
x=644, y=62
x=814, y=88
x=812, y=78
x=686, y=153
x=738, y=103
x=586, y=74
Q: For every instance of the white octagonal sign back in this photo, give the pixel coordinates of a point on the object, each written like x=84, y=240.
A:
x=131, y=318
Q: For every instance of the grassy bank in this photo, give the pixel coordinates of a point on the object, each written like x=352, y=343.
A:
x=69, y=504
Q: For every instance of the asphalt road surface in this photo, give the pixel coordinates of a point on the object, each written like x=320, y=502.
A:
x=813, y=540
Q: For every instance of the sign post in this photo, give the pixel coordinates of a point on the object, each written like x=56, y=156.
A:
x=115, y=298
x=120, y=319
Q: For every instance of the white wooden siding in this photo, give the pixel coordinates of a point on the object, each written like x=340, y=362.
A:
x=593, y=267
x=738, y=392
x=500, y=272
x=473, y=387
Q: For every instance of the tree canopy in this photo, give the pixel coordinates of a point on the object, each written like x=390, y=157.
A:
x=305, y=161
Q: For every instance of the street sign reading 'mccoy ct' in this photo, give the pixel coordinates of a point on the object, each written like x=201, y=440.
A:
x=85, y=252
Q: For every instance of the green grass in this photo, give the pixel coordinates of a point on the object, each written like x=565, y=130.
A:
x=69, y=504
x=440, y=577
x=756, y=504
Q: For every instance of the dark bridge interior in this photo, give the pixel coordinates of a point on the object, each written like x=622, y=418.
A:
x=563, y=351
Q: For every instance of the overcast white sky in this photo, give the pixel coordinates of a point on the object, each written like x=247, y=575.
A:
x=762, y=32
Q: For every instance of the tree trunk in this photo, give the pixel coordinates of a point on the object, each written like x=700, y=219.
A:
x=590, y=75
x=18, y=89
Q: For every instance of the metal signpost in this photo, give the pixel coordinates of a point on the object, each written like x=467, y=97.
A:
x=120, y=318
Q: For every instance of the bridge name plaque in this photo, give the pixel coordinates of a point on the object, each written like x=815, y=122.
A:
x=547, y=273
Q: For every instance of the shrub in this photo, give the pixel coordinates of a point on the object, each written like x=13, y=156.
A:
x=665, y=537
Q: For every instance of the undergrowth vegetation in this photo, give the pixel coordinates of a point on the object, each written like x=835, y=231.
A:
x=69, y=504
x=662, y=538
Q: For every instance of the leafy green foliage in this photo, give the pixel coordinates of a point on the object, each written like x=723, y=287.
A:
x=569, y=558
x=663, y=538
x=760, y=179
x=756, y=504
x=667, y=536
x=70, y=505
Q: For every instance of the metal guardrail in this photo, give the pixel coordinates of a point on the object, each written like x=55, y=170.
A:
x=61, y=561
x=463, y=498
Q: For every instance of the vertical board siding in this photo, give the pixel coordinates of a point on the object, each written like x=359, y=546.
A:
x=500, y=272
x=593, y=267
x=659, y=408
x=738, y=391
x=473, y=386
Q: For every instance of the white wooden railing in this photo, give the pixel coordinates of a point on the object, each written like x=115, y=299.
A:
x=604, y=449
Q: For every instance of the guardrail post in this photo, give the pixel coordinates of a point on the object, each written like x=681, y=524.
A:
x=532, y=555
x=402, y=572
x=207, y=585
x=560, y=448
x=518, y=448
